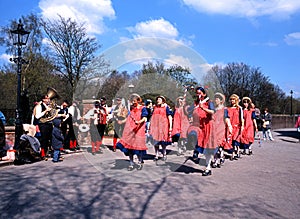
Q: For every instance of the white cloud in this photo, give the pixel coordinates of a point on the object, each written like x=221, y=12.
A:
x=137, y=54
x=179, y=60
x=5, y=57
x=292, y=39
x=155, y=28
x=247, y=8
x=91, y=12
x=138, y=57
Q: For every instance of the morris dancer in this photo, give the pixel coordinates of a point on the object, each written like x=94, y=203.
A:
x=133, y=140
x=219, y=129
x=249, y=126
x=180, y=125
x=234, y=126
x=200, y=132
x=119, y=113
x=161, y=126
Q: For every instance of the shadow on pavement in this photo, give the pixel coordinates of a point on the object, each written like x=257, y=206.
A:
x=293, y=135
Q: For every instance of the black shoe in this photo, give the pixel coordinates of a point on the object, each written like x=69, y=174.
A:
x=155, y=159
x=139, y=166
x=56, y=161
x=93, y=153
x=130, y=168
x=213, y=165
x=206, y=173
x=219, y=165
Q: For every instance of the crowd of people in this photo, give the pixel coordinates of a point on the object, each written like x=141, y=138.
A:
x=205, y=126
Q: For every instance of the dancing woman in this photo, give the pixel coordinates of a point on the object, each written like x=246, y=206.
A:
x=234, y=126
x=180, y=125
x=133, y=140
x=161, y=126
x=119, y=115
x=200, y=132
x=249, y=126
x=219, y=129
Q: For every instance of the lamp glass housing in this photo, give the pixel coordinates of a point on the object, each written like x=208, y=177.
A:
x=19, y=36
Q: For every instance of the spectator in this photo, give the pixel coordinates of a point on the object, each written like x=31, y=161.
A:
x=8, y=152
x=2, y=117
x=57, y=140
x=267, y=124
x=149, y=108
x=297, y=125
x=2, y=135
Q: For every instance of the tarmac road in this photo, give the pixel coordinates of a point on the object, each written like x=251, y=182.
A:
x=264, y=185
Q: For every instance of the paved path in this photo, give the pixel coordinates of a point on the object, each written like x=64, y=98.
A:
x=265, y=185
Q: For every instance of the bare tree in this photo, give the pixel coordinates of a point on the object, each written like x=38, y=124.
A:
x=245, y=80
x=73, y=49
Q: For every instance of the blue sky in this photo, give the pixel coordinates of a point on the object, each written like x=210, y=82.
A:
x=260, y=33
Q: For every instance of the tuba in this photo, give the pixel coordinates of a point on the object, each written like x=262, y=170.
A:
x=50, y=115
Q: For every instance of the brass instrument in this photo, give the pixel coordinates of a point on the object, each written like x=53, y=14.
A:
x=50, y=115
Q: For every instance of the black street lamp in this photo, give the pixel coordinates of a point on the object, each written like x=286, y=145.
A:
x=291, y=102
x=19, y=37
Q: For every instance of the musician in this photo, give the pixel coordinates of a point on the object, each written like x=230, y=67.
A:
x=75, y=114
x=98, y=125
x=66, y=123
x=40, y=111
x=119, y=115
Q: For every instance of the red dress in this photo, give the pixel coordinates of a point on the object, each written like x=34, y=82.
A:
x=248, y=132
x=180, y=123
x=234, y=114
x=203, y=126
x=134, y=135
x=159, y=126
x=219, y=127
